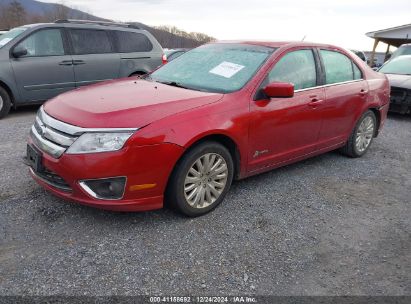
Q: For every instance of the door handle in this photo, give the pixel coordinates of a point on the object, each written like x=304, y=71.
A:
x=66, y=62
x=315, y=102
x=78, y=62
x=363, y=92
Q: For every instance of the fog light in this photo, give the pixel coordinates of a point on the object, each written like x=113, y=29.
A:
x=105, y=188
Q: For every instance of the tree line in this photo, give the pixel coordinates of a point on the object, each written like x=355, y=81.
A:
x=188, y=40
x=14, y=14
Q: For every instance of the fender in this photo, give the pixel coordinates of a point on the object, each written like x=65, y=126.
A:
x=187, y=128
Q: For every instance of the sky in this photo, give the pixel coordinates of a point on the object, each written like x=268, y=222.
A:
x=340, y=22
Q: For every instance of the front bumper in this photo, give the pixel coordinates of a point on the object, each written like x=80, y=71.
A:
x=142, y=165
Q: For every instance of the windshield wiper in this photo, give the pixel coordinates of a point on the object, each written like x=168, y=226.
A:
x=174, y=84
x=180, y=85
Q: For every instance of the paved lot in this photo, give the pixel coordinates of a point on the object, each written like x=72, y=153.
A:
x=326, y=226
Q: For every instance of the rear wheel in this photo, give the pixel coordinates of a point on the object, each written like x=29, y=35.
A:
x=5, y=103
x=362, y=135
x=201, y=179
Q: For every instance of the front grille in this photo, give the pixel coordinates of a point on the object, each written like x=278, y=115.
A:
x=53, y=179
x=54, y=136
x=400, y=96
x=400, y=100
x=50, y=135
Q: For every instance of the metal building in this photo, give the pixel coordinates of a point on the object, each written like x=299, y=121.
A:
x=394, y=36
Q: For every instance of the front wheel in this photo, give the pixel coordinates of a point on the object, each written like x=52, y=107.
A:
x=5, y=103
x=201, y=179
x=362, y=135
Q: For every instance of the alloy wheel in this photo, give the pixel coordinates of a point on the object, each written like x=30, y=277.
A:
x=205, y=180
x=364, y=134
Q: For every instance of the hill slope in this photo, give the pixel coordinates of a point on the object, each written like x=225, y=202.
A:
x=38, y=8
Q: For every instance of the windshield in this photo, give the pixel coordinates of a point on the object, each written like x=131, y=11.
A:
x=221, y=68
x=402, y=50
x=400, y=65
x=10, y=35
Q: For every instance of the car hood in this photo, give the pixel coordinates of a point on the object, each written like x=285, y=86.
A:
x=124, y=103
x=400, y=81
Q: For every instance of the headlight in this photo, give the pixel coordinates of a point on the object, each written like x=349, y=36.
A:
x=98, y=142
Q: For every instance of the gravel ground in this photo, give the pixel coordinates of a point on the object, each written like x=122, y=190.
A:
x=329, y=225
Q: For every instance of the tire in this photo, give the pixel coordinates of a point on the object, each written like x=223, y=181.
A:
x=367, y=126
x=5, y=103
x=195, y=192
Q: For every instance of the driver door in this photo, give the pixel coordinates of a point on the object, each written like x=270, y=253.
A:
x=284, y=129
x=45, y=71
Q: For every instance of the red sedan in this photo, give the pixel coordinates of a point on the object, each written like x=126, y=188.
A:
x=220, y=112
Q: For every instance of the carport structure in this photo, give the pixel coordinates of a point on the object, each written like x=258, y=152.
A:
x=394, y=36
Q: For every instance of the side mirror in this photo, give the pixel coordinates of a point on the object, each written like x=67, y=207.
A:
x=279, y=89
x=19, y=51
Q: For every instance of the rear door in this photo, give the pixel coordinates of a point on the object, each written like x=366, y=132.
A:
x=47, y=69
x=346, y=93
x=94, y=59
x=137, y=53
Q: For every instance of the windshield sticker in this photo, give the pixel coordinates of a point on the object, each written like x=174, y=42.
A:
x=5, y=40
x=227, y=69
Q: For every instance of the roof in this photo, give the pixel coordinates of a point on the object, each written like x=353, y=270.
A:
x=84, y=24
x=394, y=35
x=275, y=44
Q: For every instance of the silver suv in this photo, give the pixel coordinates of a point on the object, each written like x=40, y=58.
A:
x=40, y=61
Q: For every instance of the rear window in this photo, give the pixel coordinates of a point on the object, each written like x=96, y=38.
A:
x=357, y=72
x=90, y=42
x=130, y=42
x=338, y=67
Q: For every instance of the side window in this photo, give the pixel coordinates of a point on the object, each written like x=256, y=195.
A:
x=338, y=67
x=47, y=42
x=90, y=42
x=357, y=72
x=130, y=42
x=297, y=67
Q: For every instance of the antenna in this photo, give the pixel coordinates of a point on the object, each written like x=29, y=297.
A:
x=304, y=38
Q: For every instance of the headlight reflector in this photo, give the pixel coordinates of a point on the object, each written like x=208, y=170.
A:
x=99, y=142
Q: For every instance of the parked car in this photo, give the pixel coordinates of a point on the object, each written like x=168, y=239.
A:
x=360, y=54
x=398, y=71
x=2, y=32
x=40, y=61
x=222, y=111
x=174, y=53
x=404, y=49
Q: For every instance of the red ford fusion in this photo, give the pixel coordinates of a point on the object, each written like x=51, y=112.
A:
x=221, y=112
